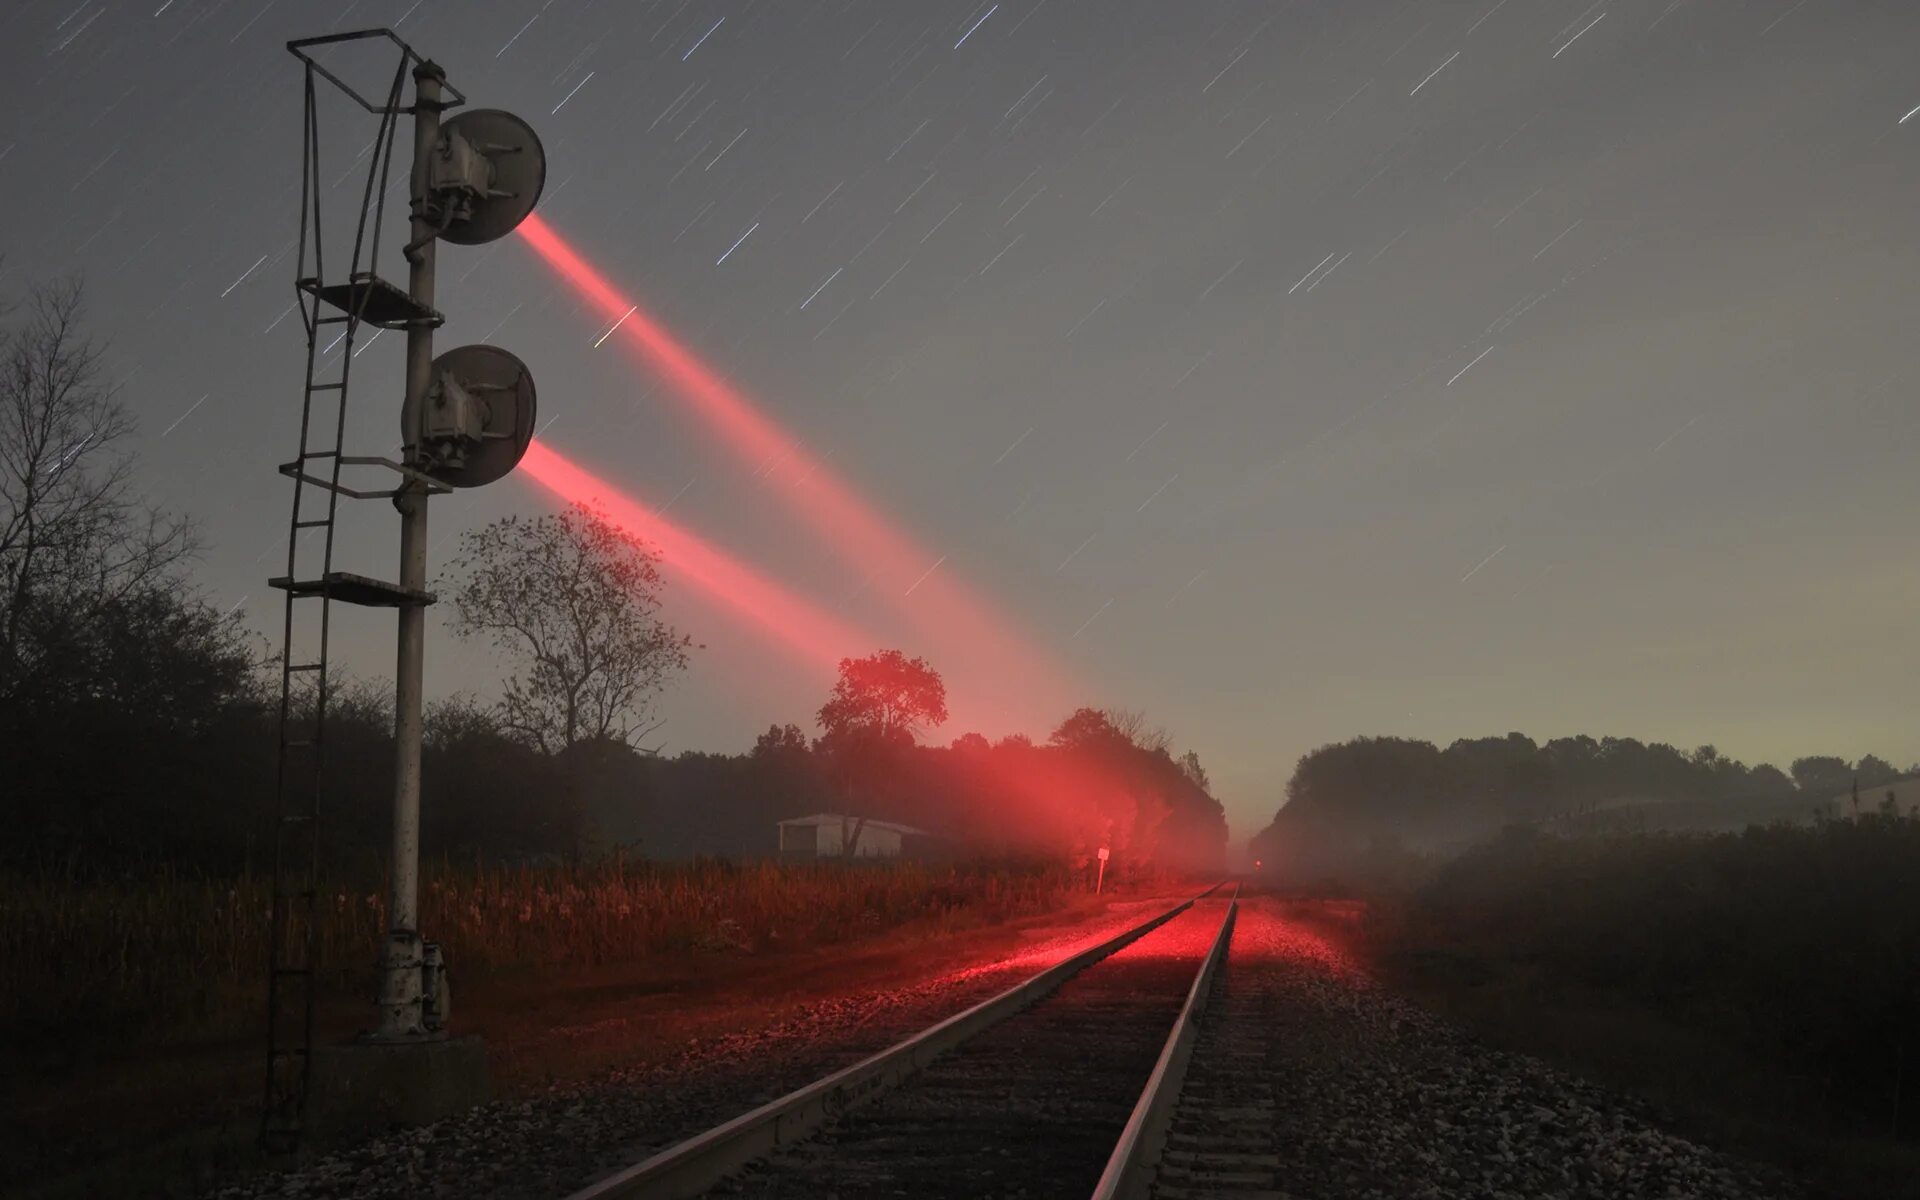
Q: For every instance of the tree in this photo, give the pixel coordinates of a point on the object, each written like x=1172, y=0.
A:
x=575, y=601
x=1197, y=774
x=1133, y=725
x=125, y=698
x=491, y=794
x=1110, y=785
x=879, y=706
x=780, y=741
x=74, y=538
x=885, y=698
x=1824, y=775
x=1087, y=728
x=1873, y=771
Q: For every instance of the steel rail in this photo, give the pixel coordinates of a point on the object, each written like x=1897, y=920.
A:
x=692, y=1166
x=1129, y=1171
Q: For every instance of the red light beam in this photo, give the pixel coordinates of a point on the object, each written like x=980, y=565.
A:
x=816, y=637
x=935, y=600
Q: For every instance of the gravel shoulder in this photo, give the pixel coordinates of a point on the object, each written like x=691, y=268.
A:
x=1373, y=1098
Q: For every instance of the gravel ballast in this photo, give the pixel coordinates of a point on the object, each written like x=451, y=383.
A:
x=1322, y=1085
x=1359, y=1095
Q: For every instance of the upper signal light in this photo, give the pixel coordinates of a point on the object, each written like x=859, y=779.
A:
x=484, y=176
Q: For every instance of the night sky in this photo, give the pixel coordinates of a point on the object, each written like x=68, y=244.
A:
x=1290, y=371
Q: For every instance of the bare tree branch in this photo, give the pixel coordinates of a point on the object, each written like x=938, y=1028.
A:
x=74, y=537
x=574, y=600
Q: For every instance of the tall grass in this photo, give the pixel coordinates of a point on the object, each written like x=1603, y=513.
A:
x=166, y=957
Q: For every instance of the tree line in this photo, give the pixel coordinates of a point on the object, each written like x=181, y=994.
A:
x=138, y=722
x=1371, y=799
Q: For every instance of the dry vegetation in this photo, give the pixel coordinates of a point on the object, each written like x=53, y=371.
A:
x=165, y=957
x=1767, y=983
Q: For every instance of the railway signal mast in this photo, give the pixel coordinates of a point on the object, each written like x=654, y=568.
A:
x=466, y=418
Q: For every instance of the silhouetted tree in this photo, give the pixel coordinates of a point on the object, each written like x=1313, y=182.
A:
x=779, y=741
x=1084, y=727
x=1873, y=771
x=1136, y=728
x=575, y=601
x=879, y=706
x=1191, y=768
x=125, y=699
x=74, y=537
x=1824, y=775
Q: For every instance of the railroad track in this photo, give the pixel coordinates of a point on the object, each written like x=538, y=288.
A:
x=1221, y=1138
x=1067, y=1084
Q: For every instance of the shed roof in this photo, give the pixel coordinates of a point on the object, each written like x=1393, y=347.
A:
x=818, y=819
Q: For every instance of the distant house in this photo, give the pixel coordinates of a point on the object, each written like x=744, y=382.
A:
x=828, y=835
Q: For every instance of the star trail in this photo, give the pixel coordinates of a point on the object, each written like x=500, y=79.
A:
x=1248, y=364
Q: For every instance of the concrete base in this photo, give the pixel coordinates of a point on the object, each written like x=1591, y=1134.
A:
x=360, y=1088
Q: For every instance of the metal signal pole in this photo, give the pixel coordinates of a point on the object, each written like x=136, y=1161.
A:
x=400, y=966
x=467, y=418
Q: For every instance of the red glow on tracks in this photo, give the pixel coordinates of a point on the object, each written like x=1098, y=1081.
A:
x=815, y=636
x=984, y=656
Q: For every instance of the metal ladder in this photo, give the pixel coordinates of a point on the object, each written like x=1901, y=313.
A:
x=293, y=971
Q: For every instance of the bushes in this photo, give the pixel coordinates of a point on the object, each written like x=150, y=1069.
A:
x=1799, y=943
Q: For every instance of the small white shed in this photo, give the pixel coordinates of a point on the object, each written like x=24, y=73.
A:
x=1905, y=795
x=828, y=835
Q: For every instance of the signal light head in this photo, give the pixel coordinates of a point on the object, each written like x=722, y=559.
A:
x=478, y=417
x=484, y=176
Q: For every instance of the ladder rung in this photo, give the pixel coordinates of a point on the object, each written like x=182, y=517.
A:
x=313, y=524
x=305, y=454
x=325, y=387
x=296, y=818
x=307, y=667
x=297, y=743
